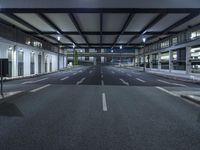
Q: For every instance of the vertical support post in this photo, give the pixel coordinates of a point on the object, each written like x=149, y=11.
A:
x=159, y=59
x=1, y=77
x=170, y=60
x=188, y=63
x=150, y=61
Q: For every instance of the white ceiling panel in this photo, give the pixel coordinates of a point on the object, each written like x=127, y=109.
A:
x=62, y=21
x=113, y=22
x=139, y=21
x=35, y=20
x=77, y=38
x=167, y=21
x=124, y=38
x=88, y=22
x=109, y=38
x=2, y=16
x=62, y=38
x=93, y=38
x=192, y=22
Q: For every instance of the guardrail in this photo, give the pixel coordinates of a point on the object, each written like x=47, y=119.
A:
x=92, y=54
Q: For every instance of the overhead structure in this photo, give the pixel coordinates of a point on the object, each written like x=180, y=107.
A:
x=106, y=25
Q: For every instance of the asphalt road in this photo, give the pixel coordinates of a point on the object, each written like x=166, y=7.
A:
x=99, y=108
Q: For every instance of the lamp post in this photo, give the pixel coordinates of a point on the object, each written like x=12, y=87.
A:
x=144, y=59
x=120, y=55
x=73, y=52
x=112, y=55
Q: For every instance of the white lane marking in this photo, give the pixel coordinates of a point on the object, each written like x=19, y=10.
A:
x=166, y=91
x=81, y=81
x=40, y=88
x=74, y=73
x=140, y=80
x=104, y=105
x=172, y=83
x=113, y=72
x=64, y=78
x=102, y=82
x=124, y=82
x=129, y=75
x=35, y=81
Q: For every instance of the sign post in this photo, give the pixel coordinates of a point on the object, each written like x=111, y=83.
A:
x=3, y=72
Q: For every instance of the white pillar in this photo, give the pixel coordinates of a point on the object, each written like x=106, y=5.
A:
x=170, y=61
x=150, y=61
x=14, y=62
x=188, y=63
x=159, y=59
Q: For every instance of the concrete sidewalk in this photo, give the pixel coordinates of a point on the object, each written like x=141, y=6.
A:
x=195, y=78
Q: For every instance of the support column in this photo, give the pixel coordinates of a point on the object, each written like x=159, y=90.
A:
x=150, y=61
x=58, y=59
x=14, y=62
x=170, y=61
x=159, y=59
x=188, y=63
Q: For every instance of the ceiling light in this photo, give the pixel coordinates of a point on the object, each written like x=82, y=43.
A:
x=144, y=32
x=58, y=38
x=74, y=46
x=10, y=48
x=144, y=40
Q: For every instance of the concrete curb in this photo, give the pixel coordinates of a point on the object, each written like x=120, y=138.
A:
x=193, y=98
x=36, y=75
x=175, y=78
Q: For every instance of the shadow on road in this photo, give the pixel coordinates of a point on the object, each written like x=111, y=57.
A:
x=10, y=110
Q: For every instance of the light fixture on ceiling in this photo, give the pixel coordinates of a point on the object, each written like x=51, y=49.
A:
x=10, y=48
x=144, y=32
x=73, y=45
x=144, y=40
x=58, y=38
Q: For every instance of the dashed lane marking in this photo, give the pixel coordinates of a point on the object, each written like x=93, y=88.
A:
x=140, y=80
x=104, y=104
x=81, y=81
x=129, y=75
x=172, y=83
x=28, y=82
x=124, y=82
x=40, y=88
x=64, y=78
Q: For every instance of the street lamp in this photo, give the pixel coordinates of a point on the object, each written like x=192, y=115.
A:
x=112, y=55
x=120, y=55
x=144, y=60
x=74, y=52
